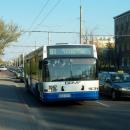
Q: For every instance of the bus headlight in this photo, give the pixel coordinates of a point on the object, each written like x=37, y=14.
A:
x=123, y=89
x=52, y=88
x=49, y=90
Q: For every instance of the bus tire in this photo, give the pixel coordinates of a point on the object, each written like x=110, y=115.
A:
x=27, y=86
x=37, y=92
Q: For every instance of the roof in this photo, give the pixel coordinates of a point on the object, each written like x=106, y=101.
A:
x=125, y=13
x=113, y=72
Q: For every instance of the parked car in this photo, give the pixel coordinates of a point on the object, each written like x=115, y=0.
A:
x=3, y=68
x=114, y=84
x=18, y=71
x=20, y=74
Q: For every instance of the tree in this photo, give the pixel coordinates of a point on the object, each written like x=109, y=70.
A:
x=105, y=50
x=110, y=54
x=8, y=33
x=88, y=37
x=1, y=61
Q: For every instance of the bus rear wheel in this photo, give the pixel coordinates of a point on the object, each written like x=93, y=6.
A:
x=37, y=92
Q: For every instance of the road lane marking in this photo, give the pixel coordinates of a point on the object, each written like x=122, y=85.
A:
x=102, y=104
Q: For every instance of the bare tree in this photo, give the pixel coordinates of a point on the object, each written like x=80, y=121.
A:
x=88, y=37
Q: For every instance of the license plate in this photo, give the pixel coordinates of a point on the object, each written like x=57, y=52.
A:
x=64, y=95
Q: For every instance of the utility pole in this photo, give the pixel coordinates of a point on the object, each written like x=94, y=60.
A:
x=80, y=23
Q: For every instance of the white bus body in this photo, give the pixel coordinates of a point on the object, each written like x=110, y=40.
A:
x=62, y=72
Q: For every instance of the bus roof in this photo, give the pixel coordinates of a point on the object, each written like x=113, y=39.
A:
x=43, y=49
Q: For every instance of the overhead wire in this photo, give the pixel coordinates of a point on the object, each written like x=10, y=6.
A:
x=39, y=14
x=25, y=46
x=42, y=9
x=51, y=10
x=42, y=31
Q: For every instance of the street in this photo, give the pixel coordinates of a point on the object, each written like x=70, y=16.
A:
x=20, y=110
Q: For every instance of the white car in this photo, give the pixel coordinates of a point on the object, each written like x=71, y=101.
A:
x=3, y=68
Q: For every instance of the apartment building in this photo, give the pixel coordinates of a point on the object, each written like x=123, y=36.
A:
x=122, y=40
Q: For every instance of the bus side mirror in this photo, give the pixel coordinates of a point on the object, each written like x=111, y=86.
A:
x=40, y=65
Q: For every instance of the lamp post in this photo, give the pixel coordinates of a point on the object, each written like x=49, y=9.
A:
x=80, y=21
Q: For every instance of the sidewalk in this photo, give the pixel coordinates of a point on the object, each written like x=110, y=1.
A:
x=6, y=75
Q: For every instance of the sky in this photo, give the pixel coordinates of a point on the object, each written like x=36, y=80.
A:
x=58, y=16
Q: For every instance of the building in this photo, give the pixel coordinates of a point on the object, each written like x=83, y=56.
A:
x=122, y=40
x=19, y=61
x=105, y=50
x=101, y=42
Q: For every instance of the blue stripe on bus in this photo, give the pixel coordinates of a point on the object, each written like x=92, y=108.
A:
x=74, y=96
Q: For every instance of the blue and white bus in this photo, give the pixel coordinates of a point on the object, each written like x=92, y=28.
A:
x=62, y=73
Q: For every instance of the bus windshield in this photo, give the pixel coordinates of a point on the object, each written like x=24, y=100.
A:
x=69, y=69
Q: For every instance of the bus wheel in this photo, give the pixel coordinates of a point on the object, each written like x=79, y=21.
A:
x=26, y=86
x=37, y=92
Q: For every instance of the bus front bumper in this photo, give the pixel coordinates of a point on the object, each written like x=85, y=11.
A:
x=70, y=96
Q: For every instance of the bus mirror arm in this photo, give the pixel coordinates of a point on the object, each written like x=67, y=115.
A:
x=40, y=64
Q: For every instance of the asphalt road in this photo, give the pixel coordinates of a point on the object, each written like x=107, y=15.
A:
x=20, y=110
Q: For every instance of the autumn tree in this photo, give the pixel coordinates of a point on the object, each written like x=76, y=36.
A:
x=9, y=32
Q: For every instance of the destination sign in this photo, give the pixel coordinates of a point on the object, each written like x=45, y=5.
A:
x=70, y=51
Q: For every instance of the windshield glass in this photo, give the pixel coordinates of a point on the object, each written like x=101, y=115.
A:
x=70, y=69
x=120, y=77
